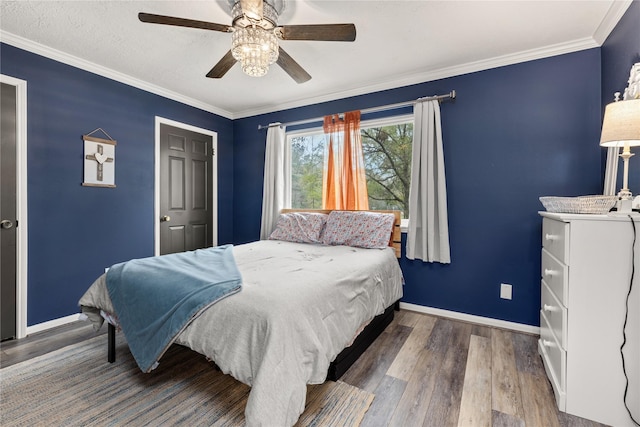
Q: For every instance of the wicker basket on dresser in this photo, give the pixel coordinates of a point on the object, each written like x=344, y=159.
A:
x=586, y=270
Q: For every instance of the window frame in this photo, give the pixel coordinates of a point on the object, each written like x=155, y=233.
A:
x=364, y=124
x=378, y=122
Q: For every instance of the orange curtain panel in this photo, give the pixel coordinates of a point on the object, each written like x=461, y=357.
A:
x=344, y=179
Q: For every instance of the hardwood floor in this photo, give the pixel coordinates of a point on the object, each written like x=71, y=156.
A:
x=424, y=371
x=16, y=351
x=432, y=371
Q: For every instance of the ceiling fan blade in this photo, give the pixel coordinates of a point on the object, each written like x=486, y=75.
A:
x=291, y=67
x=321, y=32
x=253, y=9
x=181, y=22
x=221, y=68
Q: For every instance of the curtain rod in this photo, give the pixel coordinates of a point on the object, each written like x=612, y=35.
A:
x=450, y=95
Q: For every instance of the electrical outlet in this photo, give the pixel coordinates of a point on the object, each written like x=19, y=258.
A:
x=505, y=291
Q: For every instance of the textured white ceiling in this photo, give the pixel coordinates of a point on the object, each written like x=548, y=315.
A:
x=398, y=43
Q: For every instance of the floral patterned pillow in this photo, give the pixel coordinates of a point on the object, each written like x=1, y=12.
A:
x=360, y=229
x=299, y=227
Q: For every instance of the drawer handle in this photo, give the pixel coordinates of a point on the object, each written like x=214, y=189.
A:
x=549, y=273
x=550, y=308
x=551, y=237
x=548, y=343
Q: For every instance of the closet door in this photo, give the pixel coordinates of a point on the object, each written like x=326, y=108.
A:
x=8, y=220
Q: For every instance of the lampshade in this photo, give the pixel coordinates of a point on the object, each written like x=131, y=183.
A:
x=621, y=125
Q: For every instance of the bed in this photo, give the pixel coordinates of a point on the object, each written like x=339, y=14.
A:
x=305, y=312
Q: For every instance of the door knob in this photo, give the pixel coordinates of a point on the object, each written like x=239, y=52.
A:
x=5, y=223
x=165, y=218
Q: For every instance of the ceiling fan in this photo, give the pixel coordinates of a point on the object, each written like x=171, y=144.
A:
x=255, y=34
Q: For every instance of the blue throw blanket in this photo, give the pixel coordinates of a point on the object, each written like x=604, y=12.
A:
x=156, y=298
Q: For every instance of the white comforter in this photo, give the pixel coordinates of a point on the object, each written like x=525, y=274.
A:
x=300, y=305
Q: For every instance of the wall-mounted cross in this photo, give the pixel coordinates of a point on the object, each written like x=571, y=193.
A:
x=101, y=158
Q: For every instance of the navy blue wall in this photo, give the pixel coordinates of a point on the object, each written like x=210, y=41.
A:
x=619, y=52
x=75, y=231
x=513, y=134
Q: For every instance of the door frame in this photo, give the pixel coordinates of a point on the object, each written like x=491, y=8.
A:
x=214, y=172
x=21, y=203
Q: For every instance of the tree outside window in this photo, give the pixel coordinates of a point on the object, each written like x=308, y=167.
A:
x=387, y=158
x=307, y=163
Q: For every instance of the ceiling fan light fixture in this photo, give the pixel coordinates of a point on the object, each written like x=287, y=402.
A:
x=255, y=48
x=271, y=9
x=255, y=33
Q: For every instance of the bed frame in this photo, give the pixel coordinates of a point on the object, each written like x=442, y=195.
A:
x=349, y=355
x=342, y=362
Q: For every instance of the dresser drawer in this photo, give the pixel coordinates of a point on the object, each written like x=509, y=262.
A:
x=554, y=238
x=556, y=276
x=560, y=394
x=555, y=360
x=556, y=314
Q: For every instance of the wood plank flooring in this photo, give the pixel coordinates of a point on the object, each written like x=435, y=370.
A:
x=424, y=371
x=431, y=371
x=16, y=351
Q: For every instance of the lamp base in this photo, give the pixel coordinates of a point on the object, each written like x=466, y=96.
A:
x=623, y=207
x=625, y=194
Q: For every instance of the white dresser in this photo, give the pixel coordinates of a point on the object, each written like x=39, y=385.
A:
x=586, y=271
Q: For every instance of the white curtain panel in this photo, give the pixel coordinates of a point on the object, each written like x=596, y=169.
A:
x=276, y=193
x=428, y=234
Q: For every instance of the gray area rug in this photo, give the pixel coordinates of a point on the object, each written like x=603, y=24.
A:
x=75, y=386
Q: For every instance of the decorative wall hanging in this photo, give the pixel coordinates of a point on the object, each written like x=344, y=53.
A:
x=99, y=160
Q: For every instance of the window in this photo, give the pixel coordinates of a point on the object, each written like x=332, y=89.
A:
x=386, y=145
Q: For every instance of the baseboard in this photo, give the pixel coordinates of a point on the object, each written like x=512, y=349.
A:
x=52, y=323
x=487, y=321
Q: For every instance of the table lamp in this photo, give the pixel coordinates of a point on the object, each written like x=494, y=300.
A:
x=621, y=128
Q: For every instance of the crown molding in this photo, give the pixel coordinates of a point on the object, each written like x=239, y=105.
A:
x=610, y=20
x=431, y=75
x=65, y=58
x=615, y=12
